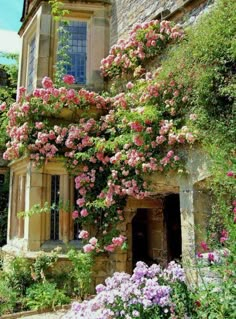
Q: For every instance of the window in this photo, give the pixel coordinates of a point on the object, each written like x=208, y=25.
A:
x=77, y=50
x=31, y=64
x=2, y=179
x=55, y=197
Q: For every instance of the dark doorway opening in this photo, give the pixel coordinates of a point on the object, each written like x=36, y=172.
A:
x=173, y=226
x=140, y=236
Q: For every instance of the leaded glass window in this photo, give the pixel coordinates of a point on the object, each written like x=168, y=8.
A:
x=55, y=198
x=31, y=64
x=77, y=50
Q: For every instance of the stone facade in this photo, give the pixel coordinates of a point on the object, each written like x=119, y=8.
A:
x=39, y=24
x=126, y=13
x=147, y=219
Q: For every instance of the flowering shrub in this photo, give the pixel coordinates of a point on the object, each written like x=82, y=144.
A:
x=150, y=292
x=145, y=40
x=133, y=133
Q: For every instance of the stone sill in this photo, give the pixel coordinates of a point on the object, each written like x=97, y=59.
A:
x=47, y=247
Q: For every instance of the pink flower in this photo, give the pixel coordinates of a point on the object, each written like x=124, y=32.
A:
x=234, y=203
x=39, y=125
x=88, y=248
x=47, y=82
x=68, y=79
x=84, y=212
x=83, y=234
x=230, y=174
x=118, y=241
x=3, y=106
x=110, y=248
x=129, y=85
x=80, y=202
x=211, y=257
x=75, y=214
x=93, y=241
x=138, y=140
x=170, y=154
x=204, y=246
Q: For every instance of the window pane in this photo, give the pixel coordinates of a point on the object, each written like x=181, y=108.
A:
x=55, y=197
x=77, y=51
x=31, y=67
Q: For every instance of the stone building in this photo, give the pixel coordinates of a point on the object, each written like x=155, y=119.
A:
x=158, y=229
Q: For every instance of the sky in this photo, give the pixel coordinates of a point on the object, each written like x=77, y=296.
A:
x=10, y=14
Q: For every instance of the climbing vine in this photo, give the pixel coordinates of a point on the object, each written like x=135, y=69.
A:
x=112, y=141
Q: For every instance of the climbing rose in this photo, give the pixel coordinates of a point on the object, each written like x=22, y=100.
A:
x=47, y=82
x=75, y=214
x=88, y=248
x=110, y=248
x=83, y=234
x=84, y=212
x=93, y=241
x=68, y=79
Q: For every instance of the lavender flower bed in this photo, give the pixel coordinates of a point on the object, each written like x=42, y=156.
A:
x=150, y=292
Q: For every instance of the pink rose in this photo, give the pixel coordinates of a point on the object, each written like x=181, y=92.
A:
x=80, y=202
x=75, y=214
x=47, y=82
x=69, y=79
x=84, y=212
x=88, y=248
x=138, y=140
x=170, y=154
x=83, y=234
x=93, y=241
x=118, y=241
x=110, y=248
x=39, y=125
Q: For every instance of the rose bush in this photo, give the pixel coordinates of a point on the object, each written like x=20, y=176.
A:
x=137, y=132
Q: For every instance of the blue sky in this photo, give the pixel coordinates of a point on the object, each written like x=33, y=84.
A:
x=10, y=14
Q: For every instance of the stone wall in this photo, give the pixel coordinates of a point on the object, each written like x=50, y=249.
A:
x=125, y=13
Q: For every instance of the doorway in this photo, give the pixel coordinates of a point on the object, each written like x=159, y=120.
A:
x=173, y=226
x=140, y=236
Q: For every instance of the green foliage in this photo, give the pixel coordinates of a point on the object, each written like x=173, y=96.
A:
x=11, y=68
x=18, y=275
x=81, y=274
x=43, y=263
x=4, y=209
x=8, y=298
x=63, y=58
x=45, y=295
x=36, y=209
x=8, y=93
